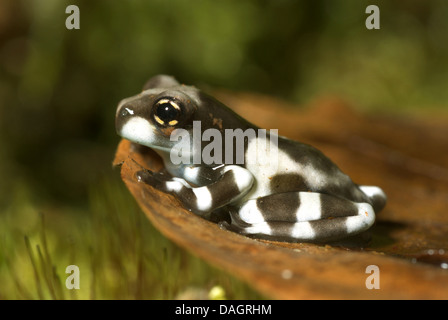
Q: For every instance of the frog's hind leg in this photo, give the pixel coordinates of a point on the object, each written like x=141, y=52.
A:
x=376, y=195
x=303, y=216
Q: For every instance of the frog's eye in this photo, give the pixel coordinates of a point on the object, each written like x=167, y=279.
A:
x=167, y=112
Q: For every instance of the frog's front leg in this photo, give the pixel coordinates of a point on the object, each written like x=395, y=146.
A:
x=303, y=216
x=232, y=183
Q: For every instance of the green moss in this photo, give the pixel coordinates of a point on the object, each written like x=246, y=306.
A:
x=119, y=253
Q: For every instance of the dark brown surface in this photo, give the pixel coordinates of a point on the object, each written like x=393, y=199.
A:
x=408, y=158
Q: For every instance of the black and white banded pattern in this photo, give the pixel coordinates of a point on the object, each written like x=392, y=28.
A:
x=234, y=182
x=303, y=216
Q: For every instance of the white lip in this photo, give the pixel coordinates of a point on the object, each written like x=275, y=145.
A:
x=139, y=130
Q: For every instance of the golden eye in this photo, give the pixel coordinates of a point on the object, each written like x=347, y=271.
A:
x=167, y=112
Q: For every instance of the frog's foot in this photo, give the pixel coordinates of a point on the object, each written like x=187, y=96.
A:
x=155, y=179
x=376, y=195
x=303, y=216
x=234, y=182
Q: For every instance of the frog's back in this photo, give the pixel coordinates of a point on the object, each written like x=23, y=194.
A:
x=297, y=167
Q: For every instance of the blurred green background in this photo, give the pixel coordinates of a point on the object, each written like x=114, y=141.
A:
x=59, y=89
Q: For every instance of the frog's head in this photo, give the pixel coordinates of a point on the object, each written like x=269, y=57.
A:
x=150, y=117
x=164, y=105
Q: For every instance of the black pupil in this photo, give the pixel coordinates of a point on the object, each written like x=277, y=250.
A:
x=166, y=112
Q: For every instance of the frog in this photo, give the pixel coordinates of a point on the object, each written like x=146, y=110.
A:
x=305, y=197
